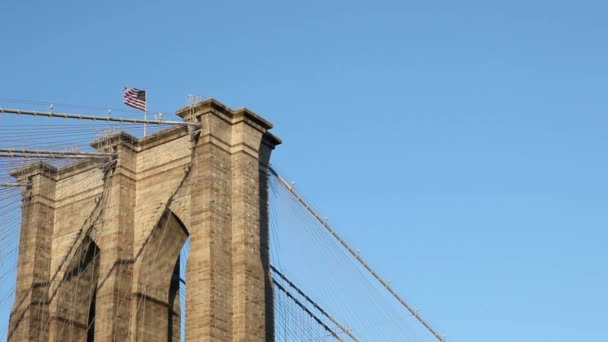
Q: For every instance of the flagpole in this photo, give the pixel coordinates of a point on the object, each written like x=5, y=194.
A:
x=146, y=113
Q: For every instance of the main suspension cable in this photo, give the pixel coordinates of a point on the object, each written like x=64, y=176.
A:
x=94, y=117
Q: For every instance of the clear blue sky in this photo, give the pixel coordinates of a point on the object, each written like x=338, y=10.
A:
x=461, y=145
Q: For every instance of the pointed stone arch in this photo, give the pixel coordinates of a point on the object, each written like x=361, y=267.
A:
x=155, y=304
x=73, y=308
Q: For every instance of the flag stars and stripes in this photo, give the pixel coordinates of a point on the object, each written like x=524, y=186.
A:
x=135, y=98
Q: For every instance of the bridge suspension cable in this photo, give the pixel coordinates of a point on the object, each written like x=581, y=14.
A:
x=305, y=309
x=94, y=117
x=26, y=153
x=313, y=303
x=11, y=184
x=356, y=255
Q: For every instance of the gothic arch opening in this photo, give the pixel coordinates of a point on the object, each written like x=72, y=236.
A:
x=182, y=261
x=73, y=314
x=156, y=294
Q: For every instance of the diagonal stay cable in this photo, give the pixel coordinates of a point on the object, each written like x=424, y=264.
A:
x=313, y=303
x=356, y=255
x=303, y=307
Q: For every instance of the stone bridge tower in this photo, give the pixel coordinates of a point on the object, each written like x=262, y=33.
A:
x=100, y=241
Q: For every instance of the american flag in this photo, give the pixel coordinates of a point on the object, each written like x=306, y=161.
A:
x=135, y=98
